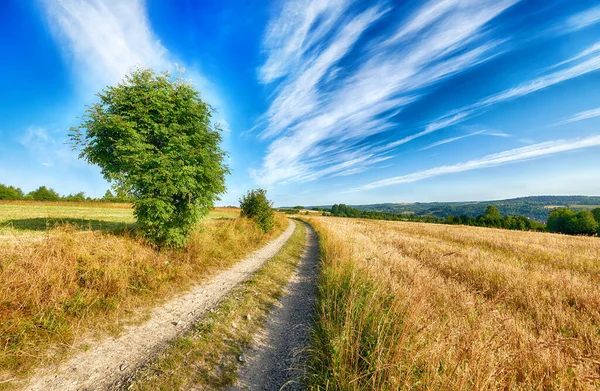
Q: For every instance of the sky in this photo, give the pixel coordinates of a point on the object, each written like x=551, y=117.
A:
x=324, y=102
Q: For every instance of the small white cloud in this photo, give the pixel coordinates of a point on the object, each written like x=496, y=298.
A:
x=47, y=146
x=593, y=113
x=451, y=140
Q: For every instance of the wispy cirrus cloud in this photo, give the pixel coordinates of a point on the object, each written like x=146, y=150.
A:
x=497, y=159
x=451, y=140
x=584, y=18
x=589, y=61
x=104, y=39
x=326, y=107
x=593, y=113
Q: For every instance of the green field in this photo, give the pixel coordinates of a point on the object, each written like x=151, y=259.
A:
x=40, y=216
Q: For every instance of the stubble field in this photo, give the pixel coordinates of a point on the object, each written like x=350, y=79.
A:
x=436, y=307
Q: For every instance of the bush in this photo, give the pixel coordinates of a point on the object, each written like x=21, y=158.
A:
x=256, y=206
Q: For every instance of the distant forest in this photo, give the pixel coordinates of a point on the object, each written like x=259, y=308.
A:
x=537, y=207
x=44, y=193
x=560, y=220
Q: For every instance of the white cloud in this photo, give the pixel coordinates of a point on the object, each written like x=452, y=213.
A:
x=322, y=115
x=593, y=113
x=105, y=38
x=289, y=34
x=591, y=64
x=46, y=146
x=451, y=140
x=585, y=18
x=497, y=159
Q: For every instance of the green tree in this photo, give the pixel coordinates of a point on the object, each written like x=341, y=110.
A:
x=256, y=205
x=43, y=193
x=596, y=213
x=582, y=223
x=558, y=220
x=152, y=136
x=108, y=196
x=10, y=193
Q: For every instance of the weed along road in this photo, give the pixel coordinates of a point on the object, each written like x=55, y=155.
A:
x=114, y=358
x=278, y=361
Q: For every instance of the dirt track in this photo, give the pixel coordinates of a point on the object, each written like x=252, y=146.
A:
x=115, y=358
x=278, y=360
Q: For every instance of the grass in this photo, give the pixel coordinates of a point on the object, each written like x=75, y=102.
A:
x=61, y=286
x=433, y=307
x=206, y=357
x=41, y=216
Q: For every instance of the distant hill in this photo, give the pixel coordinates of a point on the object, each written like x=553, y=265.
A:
x=534, y=207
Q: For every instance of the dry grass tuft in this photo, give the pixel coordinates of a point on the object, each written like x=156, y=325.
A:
x=61, y=284
x=437, y=307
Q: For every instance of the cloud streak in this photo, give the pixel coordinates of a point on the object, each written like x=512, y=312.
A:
x=593, y=113
x=327, y=106
x=106, y=38
x=497, y=159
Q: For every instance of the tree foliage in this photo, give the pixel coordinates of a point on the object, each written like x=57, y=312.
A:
x=152, y=136
x=43, y=193
x=567, y=221
x=10, y=193
x=256, y=205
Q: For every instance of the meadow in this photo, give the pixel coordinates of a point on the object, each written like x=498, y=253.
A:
x=418, y=306
x=74, y=271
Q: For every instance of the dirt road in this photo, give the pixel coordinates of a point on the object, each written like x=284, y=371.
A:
x=115, y=358
x=278, y=360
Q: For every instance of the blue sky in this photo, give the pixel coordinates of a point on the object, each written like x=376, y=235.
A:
x=325, y=101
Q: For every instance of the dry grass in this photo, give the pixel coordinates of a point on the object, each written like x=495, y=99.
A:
x=438, y=307
x=58, y=285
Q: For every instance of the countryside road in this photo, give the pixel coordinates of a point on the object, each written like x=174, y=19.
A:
x=278, y=360
x=114, y=358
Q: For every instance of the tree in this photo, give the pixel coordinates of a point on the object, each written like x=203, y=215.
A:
x=79, y=197
x=559, y=219
x=152, y=136
x=596, y=213
x=43, y=193
x=256, y=206
x=583, y=223
x=10, y=193
x=108, y=196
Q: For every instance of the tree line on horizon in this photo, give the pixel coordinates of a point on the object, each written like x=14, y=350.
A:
x=561, y=220
x=44, y=193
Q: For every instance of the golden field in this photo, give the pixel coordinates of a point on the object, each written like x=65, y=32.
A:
x=70, y=271
x=417, y=306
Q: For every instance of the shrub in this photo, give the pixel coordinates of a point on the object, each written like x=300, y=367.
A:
x=256, y=206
